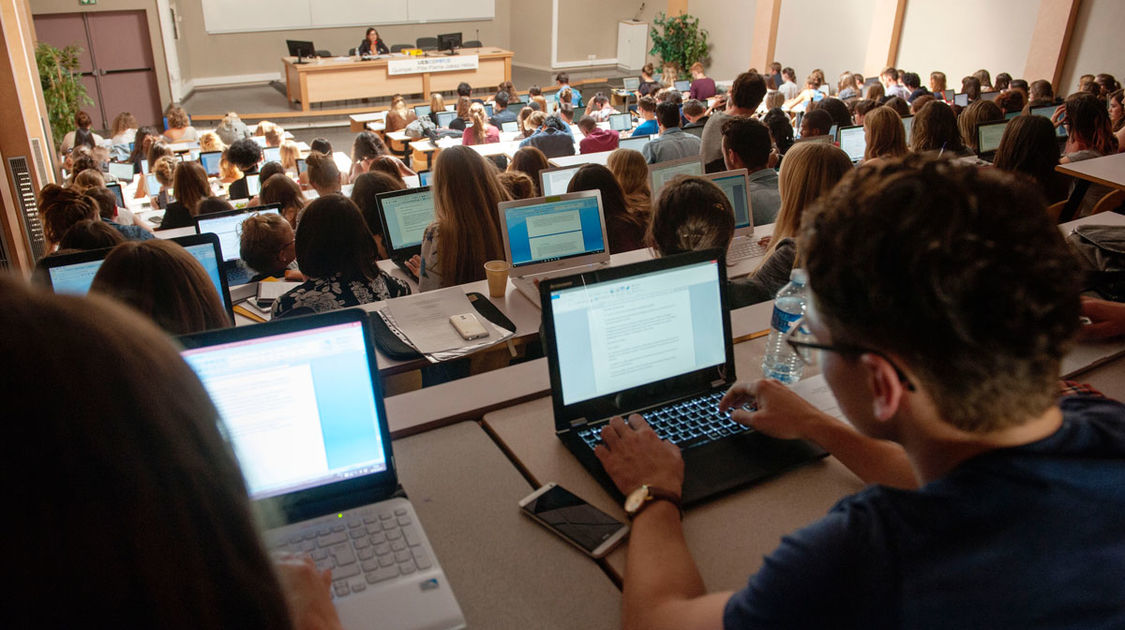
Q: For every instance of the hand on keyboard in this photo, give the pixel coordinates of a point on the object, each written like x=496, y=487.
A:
x=414, y=264
x=632, y=454
x=775, y=410
x=307, y=592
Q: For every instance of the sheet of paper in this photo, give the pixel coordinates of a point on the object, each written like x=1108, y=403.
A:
x=1089, y=354
x=274, y=290
x=424, y=319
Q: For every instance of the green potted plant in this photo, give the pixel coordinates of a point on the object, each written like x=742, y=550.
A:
x=62, y=86
x=678, y=42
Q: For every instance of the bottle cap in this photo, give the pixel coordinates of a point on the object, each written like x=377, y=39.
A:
x=799, y=276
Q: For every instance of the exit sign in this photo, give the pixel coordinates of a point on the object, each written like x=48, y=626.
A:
x=87, y=2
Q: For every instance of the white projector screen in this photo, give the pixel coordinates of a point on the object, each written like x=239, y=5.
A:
x=244, y=16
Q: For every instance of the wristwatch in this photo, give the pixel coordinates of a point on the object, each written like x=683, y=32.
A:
x=640, y=498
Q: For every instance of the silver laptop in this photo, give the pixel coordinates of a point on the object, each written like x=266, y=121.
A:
x=301, y=403
x=553, y=236
x=631, y=84
x=908, y=127
x=736, y=186
x=663, y=172
x=853, y=140
x=554, y=181
x=635, y=143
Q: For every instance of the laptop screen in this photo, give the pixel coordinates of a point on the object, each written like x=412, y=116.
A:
x=115, y=188
x=733, y=184
x=635, y=143
x=444, y=118
x=989, y=135
x=509, y=126
x=228, y=227
x=621, y=122
x=421, y=110
x=618, y=334
x=961, y=99
x=271, y=154
x=554, y=229
x=661, y=172
x=299, y=408
x=631, y=83
x=1047, y=111
x=407, y=215
x=209, y=160
x=555, y=180
x=122, y=170
x=908, y=127
x=424, y=178
x=682, y=86
x=853, y=141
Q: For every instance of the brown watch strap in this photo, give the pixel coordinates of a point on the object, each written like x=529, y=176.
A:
x=659, y=494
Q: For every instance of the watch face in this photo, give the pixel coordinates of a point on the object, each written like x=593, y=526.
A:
x=636, y=499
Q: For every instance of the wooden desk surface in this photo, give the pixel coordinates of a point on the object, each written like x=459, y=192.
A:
x=323, y=64
x=506, y=570
x=1107, y=171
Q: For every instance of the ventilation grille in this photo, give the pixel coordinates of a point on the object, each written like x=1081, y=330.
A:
x=29, y=207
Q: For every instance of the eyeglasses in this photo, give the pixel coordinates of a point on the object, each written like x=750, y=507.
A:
x=807, y=343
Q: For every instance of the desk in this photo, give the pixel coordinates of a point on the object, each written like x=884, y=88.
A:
x=506, y=571
x=1107, y=171
x=338, y=79
x=601, y=157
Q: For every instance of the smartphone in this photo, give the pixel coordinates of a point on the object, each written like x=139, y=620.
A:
x=579, y=523
x=468, y=326
x=302, y=165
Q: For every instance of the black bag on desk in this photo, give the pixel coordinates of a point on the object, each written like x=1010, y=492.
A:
x=1100, y=250
x=390, y=344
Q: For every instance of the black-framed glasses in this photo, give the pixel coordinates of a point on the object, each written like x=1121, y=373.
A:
x=806, y=346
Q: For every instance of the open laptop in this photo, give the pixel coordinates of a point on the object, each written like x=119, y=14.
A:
x=853, y=141
x=990, y=96
x=1047, y=111
x=421, y=110
x=620, y=122
x=271, y=154
x=555, y=180
x=908, y=127
x=654, y=338
x=73, y=274
x=635, y=143
x=209, y=160
x=123, y=171
x=444, y=118
x=424, y=177
x=227, y=226
x=947, y=96
x=301, y=403
x=551, y=236
x=509, y=126
x=631, y=84
x=988, y=138
x=961, y=99
x=663, y=172
x=736, y=186
x=682, y=86
x=405, y=215
x=118, y=195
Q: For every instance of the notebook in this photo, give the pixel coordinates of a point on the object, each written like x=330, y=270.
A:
x=424, y=177
x=853, y=141
x=555, y=180
x=405, y=215
x=227, y=226
x=736, y=186
x=621, y=122
x=631, y=84
x=654, y=338
x=988, y=138
x=302, y=406
x=663, y=172
x=209, y=160
x=635, y=143
x=551, y=236
x=73, y=274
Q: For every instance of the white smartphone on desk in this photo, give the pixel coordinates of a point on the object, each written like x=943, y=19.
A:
x=579, y=523
x=468, y=326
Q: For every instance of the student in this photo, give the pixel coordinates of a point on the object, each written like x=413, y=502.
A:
x=1040, y=93
x=335, y=250
x=106, y=203
x=846, y=86
x=89, y=234
x=971, y=87
x=268, y=246
x=228, y=172
x=286, y=193
x=913, y=83
x=364, y=192
x=566, y=113
x=596, y=140
x=631, y=171
x=836, y=108
x=552, y=137
x=389, y=165
x=437, y=104
x=163, y=281
x=210, y=141
x=179, y=125
x=322, y=174
x=938, y=85
x=977, y=112
x=461, y=121
x=81, y=136
x=885, y=136
x=691, y=214
x=164, y=169
x=746, y=144
x=1117, y=118
x=775, y=75
x=919, y=103
x=695, y=113
x=600, y=109
x=500, y=113
x=153, y=433
x=482, y=132
x=523, y=122
x=789, y=86
x=142, y=143
x=246, y=155
x=372, y=44
x=625, y=229
x=875, y=92
x=366, y=148
x=1029, y=146
x=646, y=108
x=815, y=123
x=466, y=230
x=529, y=160
x=781, y=131
x=935, y=129
x=1089, y=135
x=985, y=79
x=647, y=84
x=517, y=184
x=191, y=185
x=399, y=115
x=673, y=143
x=702, y=87
x=745, y=95
x=811, y=94
x=809, y=172
x=984, y=437
x=59, y=209
x=124, y=129
x=562, y=80
x=290, y=153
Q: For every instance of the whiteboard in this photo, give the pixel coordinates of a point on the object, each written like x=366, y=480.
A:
x=247, y=16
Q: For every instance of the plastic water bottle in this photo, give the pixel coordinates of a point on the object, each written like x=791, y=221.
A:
x=781, y=362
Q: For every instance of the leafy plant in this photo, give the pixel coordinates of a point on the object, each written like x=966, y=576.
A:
x=62, y=86
x=678, y=40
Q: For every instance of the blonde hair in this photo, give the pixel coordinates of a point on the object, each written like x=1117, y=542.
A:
x=886, y=137
x=535, y=120
x=810, y=170
x=87, y=179
x=164, y=169
x=630, y=169
x=480, y=123
x=210, y=141
x=290, y=152
x=437, y=102
x=463, y=104
x=466, y=194
x=697, y=67
x=227, y=169
x=124, y=122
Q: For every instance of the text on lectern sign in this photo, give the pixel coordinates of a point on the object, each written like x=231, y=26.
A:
x=414, y=65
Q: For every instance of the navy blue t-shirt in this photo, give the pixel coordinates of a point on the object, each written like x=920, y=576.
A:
x=1025, y=537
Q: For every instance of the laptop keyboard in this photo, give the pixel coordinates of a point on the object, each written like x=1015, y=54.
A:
x=687, y=423
x=368, y=546
x=744, y=248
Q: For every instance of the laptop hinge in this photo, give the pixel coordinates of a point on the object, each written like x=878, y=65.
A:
x=577, y=422
x=718, y=383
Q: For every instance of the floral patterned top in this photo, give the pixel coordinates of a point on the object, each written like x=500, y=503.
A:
x=334, y=292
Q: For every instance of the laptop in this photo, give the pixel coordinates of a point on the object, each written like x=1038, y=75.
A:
x=405, y=215
x=301, y=403
x=827, y=139
x=663, y=172
x=853, y=141
x=635, y=143
x=555, y=180
x=1047, y=111
x=736, y=186
x=961, y=99
x=551, y=236
x=271, y=154
x=988, y=138
x=259, y=140
x=73, y=274
x=424, y=177
x=631, y=84
x=516, y=107
x=421, y=110
x=1011, y=115
x=115, y=188
x=908, y=127
x=654, y=338
x=488, y=111
x=682, y=86
x=620, y=122
x=832, y=130
x=510, y=126
x=444, y=118
x=947, y=96
x=227, y=226
x=209, y=160
x=123, y=171
x=990, y=96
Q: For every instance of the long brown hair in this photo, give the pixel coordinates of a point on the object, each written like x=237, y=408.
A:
x=886, y=136
x=192, y=186
x=1087, y=121
x=631, y=171
x=529, y=160
x=282, y=190
x=466, y=196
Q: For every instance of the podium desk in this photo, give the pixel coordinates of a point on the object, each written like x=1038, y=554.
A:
x=506, y=570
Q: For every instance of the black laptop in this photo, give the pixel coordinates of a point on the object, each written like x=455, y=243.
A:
x=654, y=338
x=404, y=216
x=989, y=135
x=228, y=227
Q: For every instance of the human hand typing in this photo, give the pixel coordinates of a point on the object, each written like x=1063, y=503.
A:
x=307, y=593
x=633, y=455
x=780, y=413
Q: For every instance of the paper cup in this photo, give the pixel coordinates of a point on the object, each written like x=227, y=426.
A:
x=497, y=272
